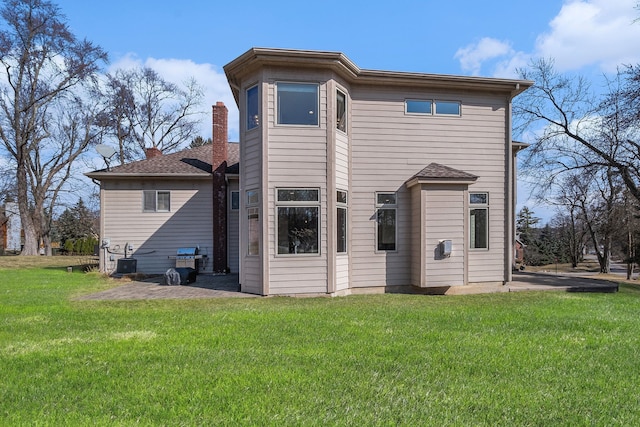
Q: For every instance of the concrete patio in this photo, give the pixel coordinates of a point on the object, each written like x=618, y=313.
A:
x=226, y=286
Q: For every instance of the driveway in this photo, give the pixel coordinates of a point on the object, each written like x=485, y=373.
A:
x=525, y=281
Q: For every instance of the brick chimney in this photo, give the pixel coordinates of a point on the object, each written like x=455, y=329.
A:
x=220, y=134
x=152, y=152
x=218, y=168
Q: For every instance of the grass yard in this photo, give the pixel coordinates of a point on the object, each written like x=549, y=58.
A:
x=529, y=358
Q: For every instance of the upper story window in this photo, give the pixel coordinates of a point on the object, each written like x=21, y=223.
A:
x=447, y=108
x=297, y=103
x=417, y=106
x=253, y=117
x=341, y=111
x=156, y=201
x=430, y=107
x=479, y=220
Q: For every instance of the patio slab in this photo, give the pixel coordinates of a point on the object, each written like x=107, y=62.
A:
x=226, y=286
x=205, y=286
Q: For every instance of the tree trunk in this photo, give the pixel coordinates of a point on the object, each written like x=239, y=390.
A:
x=28, y=226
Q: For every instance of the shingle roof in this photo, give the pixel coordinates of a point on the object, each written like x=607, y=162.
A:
x=436, y=172
x=189, y=162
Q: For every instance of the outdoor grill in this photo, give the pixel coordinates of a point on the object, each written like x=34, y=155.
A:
x=188, y=258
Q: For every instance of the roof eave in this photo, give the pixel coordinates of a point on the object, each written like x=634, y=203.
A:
x=255, y=58
x=112, y=175
x=453, y=181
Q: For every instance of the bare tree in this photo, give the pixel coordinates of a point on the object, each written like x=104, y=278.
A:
x=42, y=64
x=148, y=111
x=574, y=129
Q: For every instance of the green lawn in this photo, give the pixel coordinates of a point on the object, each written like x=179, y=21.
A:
x=501, y=359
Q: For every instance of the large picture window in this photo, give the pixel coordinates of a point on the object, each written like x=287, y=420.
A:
x=253, y=118
x=297, y=104
x=298, y=216
x=386, y=221
x=156, y=201
x=479, y=220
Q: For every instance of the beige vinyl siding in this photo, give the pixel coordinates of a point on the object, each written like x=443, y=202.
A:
x=342, y=161
x=445, y=219
x=297, y=157
x=389, y=147
x=251, y=169
x=418, y=233
x=156, y=235
x=342, y=183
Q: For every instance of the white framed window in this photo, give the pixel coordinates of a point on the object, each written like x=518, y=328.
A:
x=235, y=200
x=253, y=108
x=341, y=111
x=298, y=103
x=156, y=201
x=428, y=107
x=447, y=108
x=417, y=106
x=341, y=221
x=479, y=220
x=386, y=224
x=253, y=223
x=298, y=221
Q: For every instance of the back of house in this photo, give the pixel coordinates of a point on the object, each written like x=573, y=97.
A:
x=366, y=181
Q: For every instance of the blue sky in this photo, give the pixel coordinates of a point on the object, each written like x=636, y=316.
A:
x=195, y=38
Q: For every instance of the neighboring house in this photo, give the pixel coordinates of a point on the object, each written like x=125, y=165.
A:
x=151, y=208
x=350, y=181
x=10, y=228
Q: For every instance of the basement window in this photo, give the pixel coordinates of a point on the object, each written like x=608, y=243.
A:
x=156, y=201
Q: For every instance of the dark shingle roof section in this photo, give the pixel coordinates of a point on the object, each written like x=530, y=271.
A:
x=191, y=162
x=438, y=172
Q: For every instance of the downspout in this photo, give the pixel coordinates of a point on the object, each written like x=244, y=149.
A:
x=510, y=205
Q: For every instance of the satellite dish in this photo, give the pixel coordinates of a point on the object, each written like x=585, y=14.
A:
x=107, y=152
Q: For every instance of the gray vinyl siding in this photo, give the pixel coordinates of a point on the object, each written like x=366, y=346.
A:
x=388, y=147
x=156, y=235
x=297, y=157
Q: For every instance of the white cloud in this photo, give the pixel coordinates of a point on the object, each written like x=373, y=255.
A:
x=592, y=32
x=472, y=56
x=584, y=33
x=211, y=78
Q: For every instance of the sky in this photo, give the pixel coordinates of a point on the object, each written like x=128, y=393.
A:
x=196, y=38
